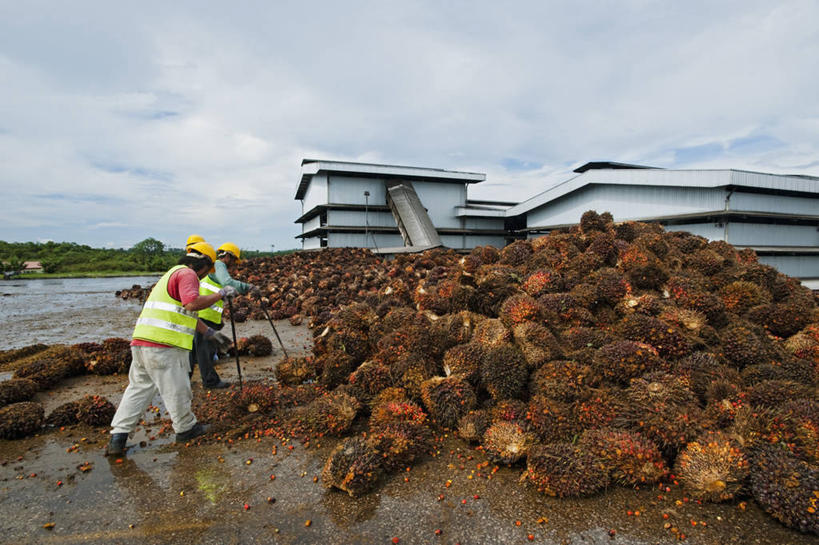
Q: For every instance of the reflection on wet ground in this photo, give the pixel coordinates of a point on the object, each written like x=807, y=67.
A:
x=224, y=494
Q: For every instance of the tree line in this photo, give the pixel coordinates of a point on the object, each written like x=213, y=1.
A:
x=149, y=255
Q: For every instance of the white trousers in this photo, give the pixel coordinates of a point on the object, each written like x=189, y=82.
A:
x=152, y=369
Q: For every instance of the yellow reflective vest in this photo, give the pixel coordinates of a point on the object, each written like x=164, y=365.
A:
x=208, y=286
x=163, y=319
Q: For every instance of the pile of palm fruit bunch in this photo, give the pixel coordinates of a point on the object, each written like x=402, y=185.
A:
x=602, y=354
x=39, y=368
x=134, y=293
x=317, y=283
x=91, y=410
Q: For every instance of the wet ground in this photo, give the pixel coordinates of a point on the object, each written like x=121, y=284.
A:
x=59, y=488
x=65, y=310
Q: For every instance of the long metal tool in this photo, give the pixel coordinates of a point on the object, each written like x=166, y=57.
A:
x=235, y=346
x=264, y=309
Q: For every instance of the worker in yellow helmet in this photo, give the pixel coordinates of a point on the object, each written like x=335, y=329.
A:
x=193, y=239
x=162, y=338
x=228, y=256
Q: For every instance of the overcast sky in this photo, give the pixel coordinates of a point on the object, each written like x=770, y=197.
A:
x=120, y=121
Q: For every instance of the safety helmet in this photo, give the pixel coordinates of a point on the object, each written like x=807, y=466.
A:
x=232, y=249
x=193, y=239
x=205, y=249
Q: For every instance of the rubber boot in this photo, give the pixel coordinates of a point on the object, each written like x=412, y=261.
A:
x=116, y=446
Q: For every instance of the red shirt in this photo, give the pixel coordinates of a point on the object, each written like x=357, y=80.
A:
x=183, y=285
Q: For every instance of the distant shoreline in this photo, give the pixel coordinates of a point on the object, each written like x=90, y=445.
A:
x=101, y=274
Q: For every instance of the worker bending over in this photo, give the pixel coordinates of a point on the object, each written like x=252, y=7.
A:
x=228, y=256
x=162, y=338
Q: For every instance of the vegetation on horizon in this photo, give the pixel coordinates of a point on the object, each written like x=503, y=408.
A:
x=70, y=258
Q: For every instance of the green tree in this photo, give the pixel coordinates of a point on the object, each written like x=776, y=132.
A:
x=50, y=265
x=148, y=250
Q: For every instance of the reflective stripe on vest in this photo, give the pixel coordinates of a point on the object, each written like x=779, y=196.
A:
x=209, y=286
x=163, y=319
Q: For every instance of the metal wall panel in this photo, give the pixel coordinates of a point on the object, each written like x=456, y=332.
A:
x=778, y=204
x=350, y=190
x=800, y=266
x=356, y=240
x=311, y=224
x=627, y=203
x=311, y=243
x=440, y=201
x=316, y=192
x=755, y=234
x=453, y=241
x=483, y=240
x=357, y=218
x=710, y=231
x=483, y=223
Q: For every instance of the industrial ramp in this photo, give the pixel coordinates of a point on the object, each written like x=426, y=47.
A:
x=413, y=221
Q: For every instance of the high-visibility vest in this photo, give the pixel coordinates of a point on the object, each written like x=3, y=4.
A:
x=208, y=286
x=163, y=319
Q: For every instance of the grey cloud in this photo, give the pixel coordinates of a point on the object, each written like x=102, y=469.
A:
x=196, y=116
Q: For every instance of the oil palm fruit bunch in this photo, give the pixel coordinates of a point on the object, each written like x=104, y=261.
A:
x=631, y=458
x=713, y=468
x=785, y=486
x=563, y=470
x=447, y=399
x=353, y=466
x=17, y=389
x=506, y=442
x=94, y=410
x=21, y=419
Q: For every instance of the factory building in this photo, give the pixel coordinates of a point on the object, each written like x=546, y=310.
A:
x=776, y=215
x=393, y=208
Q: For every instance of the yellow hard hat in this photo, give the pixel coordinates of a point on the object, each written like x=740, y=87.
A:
x=193, y=239
x=205, y=249
x=232, y=249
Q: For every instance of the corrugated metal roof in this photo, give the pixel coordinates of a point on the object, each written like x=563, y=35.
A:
x=670, y=178
x=310, y=167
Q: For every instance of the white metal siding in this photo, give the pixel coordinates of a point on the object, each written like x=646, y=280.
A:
x=316, y=192
x=483, y=223
x=311, y=224
x=800, y=266
x=350, y=190
x=356, y=240
x=711, y=231
x=778, y=204
x=755, y=234
x=357, y=219
x=627, y=203
x=440, y=201
x=311, y=243
x=478, y=240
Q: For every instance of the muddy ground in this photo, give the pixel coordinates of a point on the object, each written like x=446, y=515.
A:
x=59, y=488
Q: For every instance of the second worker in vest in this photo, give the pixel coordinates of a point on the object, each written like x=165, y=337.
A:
x=228, y=255
x=162, y=338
